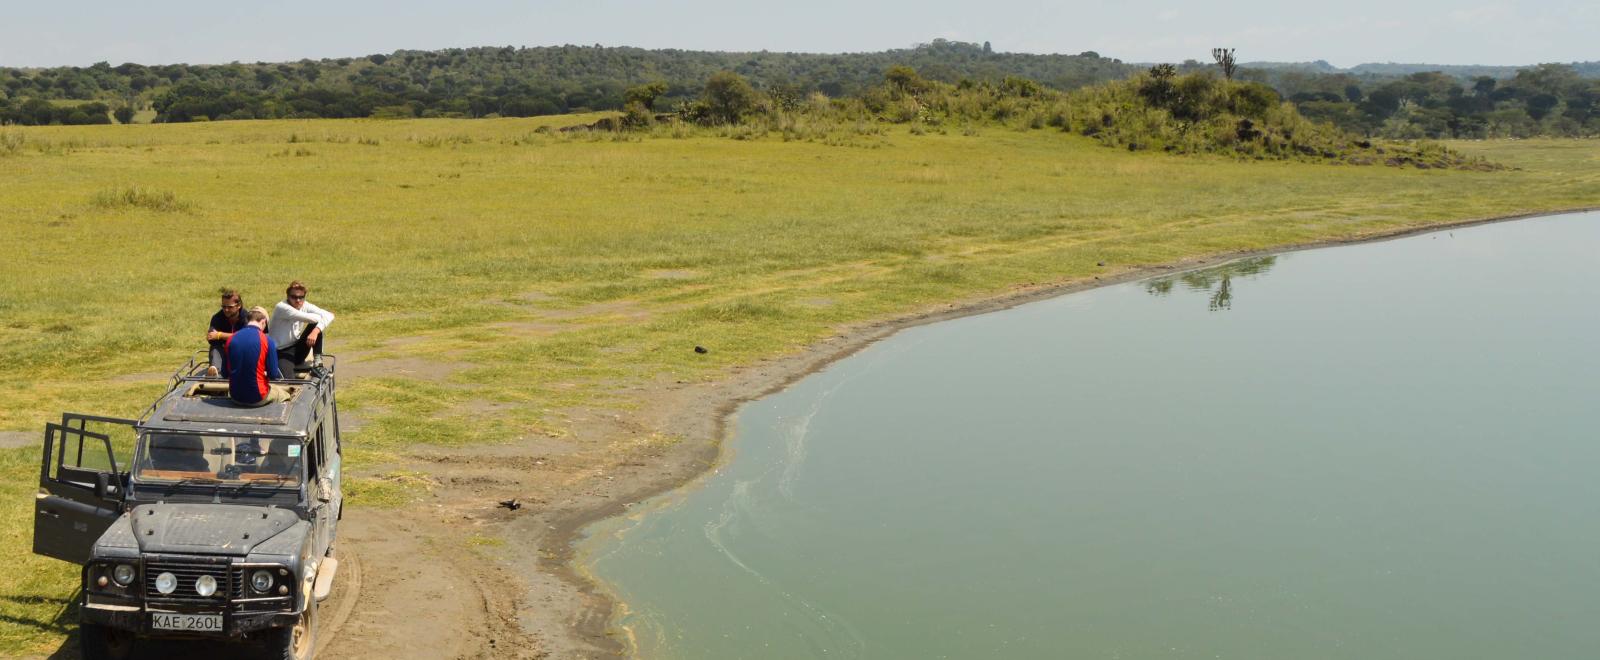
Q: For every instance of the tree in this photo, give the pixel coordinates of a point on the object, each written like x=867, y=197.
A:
x=124, y=114
x=904, y=79
x=1224, y=58
x=36, y=112
x=644, y=95
x=728, y=96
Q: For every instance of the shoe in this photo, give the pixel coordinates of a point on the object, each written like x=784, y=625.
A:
x=211, y=372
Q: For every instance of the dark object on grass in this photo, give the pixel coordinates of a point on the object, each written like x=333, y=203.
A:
x=1100, y=263
x=511, y=504
x=701, y=350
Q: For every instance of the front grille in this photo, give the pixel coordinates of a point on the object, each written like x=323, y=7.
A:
x=187, y=574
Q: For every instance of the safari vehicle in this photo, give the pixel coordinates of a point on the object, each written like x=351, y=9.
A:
x=221, y=526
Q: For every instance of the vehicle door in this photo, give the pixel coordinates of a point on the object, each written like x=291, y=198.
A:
x=81, y=484
x=334, y=461
x=328, y=499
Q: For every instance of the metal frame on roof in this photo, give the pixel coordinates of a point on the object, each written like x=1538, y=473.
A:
x=298, y=413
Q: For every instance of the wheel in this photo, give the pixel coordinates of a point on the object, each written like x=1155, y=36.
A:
x=295, y=643
x=102, y=643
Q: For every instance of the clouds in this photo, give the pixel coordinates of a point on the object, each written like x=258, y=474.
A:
x=1482, y=15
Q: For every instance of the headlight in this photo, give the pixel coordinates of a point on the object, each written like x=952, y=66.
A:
x=123, y=574
x=205, y=586
x=261, y=581
x=166, y=583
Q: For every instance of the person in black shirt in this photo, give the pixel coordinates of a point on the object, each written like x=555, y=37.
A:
x=224, y=323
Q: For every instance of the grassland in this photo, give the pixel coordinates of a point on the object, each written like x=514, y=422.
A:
x=544, y=274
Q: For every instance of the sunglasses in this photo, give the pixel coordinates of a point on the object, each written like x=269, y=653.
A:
x=297, y=297
x=231, y=306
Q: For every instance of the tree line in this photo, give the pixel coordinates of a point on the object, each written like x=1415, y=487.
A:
x=1159, y=109
x=1549, y=99
x=510, y=82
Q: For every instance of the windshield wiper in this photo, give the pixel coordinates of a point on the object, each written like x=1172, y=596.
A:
x=241, y=488
x=197, y=480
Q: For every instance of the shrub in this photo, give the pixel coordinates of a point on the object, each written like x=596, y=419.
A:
x=728, y=97
x=11, y=143
x=134, y=197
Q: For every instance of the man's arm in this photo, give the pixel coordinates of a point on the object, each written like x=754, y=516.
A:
x=284, y=310
x=324, y=317
x=273, y=373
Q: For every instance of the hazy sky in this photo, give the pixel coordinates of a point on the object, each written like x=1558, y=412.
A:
x=1346, y=32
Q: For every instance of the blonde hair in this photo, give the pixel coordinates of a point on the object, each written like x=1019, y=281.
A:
x=258, y=313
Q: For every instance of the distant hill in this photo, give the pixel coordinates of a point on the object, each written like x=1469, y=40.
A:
x=1390, y=100
x=525, y=81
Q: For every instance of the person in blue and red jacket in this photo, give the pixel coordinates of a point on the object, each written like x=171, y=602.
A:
x=252, y=361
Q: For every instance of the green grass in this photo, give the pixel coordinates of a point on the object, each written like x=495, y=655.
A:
x=557, y=271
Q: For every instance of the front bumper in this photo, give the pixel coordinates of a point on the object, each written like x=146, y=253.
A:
x=136, y=619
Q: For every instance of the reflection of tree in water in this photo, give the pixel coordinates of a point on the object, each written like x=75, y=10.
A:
x=1217, y=280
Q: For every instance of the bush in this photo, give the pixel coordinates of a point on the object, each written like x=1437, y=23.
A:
x=135, y=197
x=728, y=97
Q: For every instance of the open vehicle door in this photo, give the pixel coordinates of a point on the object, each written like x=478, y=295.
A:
x=80, y=484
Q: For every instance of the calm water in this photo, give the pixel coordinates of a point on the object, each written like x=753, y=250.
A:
x=1378, y=451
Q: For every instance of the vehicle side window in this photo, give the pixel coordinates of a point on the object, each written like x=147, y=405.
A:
x=77, y=451
x=314, y=456
x=332, y=424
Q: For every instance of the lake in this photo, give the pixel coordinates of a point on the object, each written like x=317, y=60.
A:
x=1386, y=450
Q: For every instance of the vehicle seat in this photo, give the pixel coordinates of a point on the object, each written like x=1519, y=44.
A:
x=185, y=453
x=277, y=460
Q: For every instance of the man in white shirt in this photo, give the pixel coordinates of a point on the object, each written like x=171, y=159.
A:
x=297, y=327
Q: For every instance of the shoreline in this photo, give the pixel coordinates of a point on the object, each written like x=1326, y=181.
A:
x=702, y=413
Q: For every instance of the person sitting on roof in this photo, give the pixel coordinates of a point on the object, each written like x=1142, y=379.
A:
x=251, y=363
x=297, y=326
x=224, y=323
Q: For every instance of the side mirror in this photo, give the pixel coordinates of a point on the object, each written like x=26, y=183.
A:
x=324, y=490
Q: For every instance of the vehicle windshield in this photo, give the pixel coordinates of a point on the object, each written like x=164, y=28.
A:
x=218, y=459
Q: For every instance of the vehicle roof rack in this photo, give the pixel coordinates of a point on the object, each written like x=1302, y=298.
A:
x=192, y=396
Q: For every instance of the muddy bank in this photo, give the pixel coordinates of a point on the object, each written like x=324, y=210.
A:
x=569, y=614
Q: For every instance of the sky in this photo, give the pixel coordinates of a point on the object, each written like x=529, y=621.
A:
x=1346, y=33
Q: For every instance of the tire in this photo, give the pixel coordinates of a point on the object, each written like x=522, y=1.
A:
x=298, y=642
x=103, y=643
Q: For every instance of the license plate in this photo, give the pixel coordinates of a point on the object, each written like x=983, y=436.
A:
x=186, y=622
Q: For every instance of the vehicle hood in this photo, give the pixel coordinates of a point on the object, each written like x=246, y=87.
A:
x=224, y=529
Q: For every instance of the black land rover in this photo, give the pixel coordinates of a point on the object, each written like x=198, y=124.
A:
x=221, y=526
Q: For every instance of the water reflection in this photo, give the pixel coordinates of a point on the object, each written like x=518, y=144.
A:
x=1216, y=280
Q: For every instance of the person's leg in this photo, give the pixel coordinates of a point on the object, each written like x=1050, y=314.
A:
x=286, y=362
x=303, y=351
x=318, y=353
x=215, y=360
x=277, y=394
